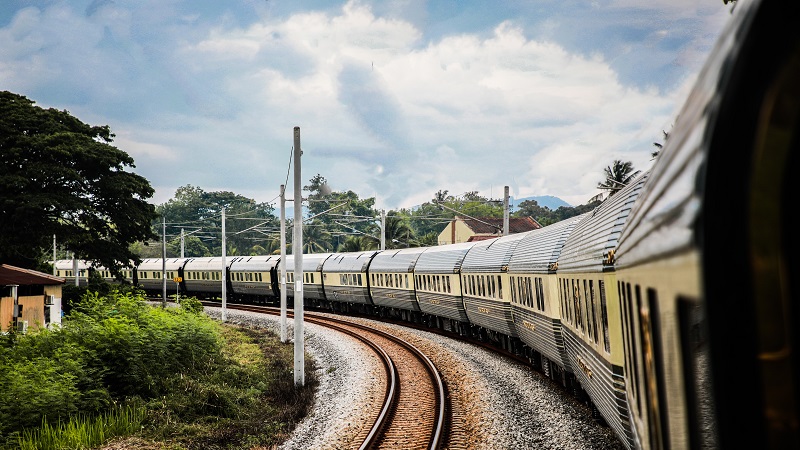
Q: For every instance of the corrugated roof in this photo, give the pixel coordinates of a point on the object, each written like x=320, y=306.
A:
x=10, y=275
x=493, y=225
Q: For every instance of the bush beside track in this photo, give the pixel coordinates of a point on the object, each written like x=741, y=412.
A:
x=193, y=382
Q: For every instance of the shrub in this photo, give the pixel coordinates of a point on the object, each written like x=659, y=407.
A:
x=191, y=304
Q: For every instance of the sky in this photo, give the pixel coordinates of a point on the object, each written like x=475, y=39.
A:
x=394, y=99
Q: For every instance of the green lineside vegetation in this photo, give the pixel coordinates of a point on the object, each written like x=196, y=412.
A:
x=172, y=376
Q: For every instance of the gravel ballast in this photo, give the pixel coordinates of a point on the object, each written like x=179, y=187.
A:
x=497, y=403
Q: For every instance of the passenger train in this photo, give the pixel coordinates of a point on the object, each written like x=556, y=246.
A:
x=672, y=307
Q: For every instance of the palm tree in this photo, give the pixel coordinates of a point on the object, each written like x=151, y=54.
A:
x=315, y=238
x=618, y=175
x=357, y=244
x=398, y=232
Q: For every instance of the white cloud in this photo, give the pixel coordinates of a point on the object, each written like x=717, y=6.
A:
x=384, y=109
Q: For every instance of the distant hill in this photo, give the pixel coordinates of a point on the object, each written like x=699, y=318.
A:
x=547, y=201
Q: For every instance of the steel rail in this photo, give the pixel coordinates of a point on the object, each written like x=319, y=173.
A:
x=392, y=391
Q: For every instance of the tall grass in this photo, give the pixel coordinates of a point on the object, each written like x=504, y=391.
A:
x=83, y=432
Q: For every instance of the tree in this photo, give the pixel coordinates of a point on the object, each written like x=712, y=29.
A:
x=199, y=211
x=357, y=244
x=618, y=175
x=398, y=233
x=315, y=238
x=659, y=145
x=192, y=247
x=531, y=208
x=60, y=176
x=358, y=213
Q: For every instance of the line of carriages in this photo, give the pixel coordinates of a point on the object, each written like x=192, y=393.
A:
x=549, y=294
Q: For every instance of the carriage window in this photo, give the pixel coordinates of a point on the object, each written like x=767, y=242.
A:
x=565, y=299
x=589, y=317
x=540, y=293
x=528, y=292
x=499, y=287
x=634, y=360
x=594, y=311
x=653, y=360
x=694, y=345
x=576, y=304
x=514, y=282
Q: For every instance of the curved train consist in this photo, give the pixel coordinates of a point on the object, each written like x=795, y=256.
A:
x=671, y=307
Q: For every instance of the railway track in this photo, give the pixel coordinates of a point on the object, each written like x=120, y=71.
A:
x=414, y=413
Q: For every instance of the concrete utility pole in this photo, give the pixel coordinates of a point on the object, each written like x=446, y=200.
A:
x=164, y=261
x=383, y=229
x=16, y=314
x=505, y=212
x=183, y=244
x=75, y=269
x=54, y=255
x=297, y=252
x=224, y=278
x=282, y=263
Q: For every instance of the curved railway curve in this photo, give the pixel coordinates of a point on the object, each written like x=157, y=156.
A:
x=415, y=412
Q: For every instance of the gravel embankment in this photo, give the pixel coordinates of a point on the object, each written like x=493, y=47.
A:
x=498, y=403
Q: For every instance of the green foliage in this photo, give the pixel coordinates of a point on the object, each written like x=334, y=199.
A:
x=545, y=216
x=247, y=400
x=60, y=176
x=191, y=304
x=193, y=381
x=316, y=239
x=617, y=176
x=83, y=431
x=199, y=212
x=356, y=215
x=108, y=349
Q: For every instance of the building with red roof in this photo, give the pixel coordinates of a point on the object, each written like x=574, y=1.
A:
x=468, y=229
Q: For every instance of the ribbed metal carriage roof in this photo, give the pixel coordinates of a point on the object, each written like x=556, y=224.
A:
x=443, y=258
x=154, y=264
x=207, y=263
x=261, y=263
x=402, y=260
x=66, y=264
x=351, y=262
x=312, y=262
x=541, y=248
x=492, y=255
x=589, y=243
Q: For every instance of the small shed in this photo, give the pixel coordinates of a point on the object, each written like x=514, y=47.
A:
x=34, y=296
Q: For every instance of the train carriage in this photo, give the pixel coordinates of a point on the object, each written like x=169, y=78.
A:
x=344, y=276
x=254, y=277
x=203, y=277
x=535, y=307
x=590, y=304
x=391, y=278
x=128, y=274
x=484, y=276
x=313, y=287
x=107, y=276
x=708, y=267
x=65, y=268
x=442, y=263
x=150, y=271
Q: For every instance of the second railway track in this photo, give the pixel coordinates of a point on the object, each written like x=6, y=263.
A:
x=415, y=411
